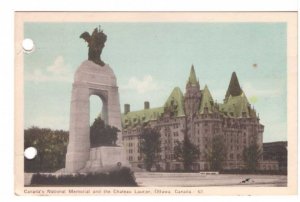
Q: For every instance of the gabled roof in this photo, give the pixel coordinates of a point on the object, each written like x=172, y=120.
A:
x=235, y=106
x=176, y=100
x=236, y=102
x=135, y=118
x=141, y=116
x=206, y=101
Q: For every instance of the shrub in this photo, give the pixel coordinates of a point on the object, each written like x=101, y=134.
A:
x=123, y=177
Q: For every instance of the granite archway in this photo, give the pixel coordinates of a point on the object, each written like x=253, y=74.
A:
x=90, y=79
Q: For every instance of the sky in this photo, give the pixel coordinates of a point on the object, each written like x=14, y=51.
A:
x=150, y=59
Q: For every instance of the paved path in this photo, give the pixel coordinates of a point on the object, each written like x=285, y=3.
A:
x=198, y=180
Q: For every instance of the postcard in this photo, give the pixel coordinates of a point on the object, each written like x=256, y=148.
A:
x=156, y=103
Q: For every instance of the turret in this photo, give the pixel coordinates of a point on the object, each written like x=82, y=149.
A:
x=234, y=88
x=192, y=95
x=192, y=78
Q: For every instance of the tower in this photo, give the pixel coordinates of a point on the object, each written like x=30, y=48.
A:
x=192, y=94
x=192, y=99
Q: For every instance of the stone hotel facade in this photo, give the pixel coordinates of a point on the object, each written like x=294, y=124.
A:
x=197, y=113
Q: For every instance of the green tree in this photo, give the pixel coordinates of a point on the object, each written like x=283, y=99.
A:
x=216, y=153
x=186, y=152
x=251, y=156
x=150, y=146
x=102, y=134
x=51, y=148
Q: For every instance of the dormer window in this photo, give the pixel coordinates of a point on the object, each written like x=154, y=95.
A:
x=135, y=120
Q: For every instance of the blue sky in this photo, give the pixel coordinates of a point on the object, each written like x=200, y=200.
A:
x=150, y=59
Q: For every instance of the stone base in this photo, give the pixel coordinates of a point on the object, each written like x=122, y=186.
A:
x=105, y=158
x=74, y=161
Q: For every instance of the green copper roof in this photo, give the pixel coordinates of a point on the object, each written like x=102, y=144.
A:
x=192, y=78
x=134, y=118
x=176, y=102
x=206, y=100
x=234, y=88
x=235, y=106
x=236, y=102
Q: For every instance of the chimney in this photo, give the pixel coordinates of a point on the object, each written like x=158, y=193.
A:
x=146, y=105
x=126, y=108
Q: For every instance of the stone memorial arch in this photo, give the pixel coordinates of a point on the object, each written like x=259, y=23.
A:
x=93, y=77
x=90, y=79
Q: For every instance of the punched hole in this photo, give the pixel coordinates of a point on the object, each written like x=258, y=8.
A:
x=30, y=153
x=28, y=45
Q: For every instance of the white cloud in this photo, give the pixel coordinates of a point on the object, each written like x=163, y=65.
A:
x=146, y=84
x=58, y=71
x=58, y=67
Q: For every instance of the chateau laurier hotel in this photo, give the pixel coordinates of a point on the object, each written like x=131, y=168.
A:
x=235, y=119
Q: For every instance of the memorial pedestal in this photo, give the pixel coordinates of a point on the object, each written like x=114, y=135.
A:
x=105, y=158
